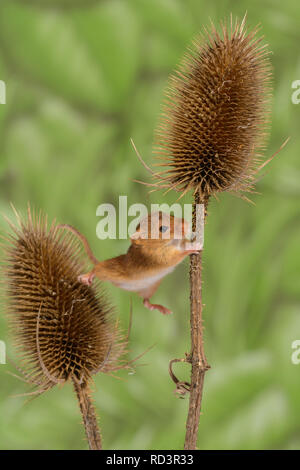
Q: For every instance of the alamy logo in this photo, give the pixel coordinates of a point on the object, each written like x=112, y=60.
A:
x=2, y=352
x=296, y=94
x=2, y=92
x=295, y=358
x=158, y=216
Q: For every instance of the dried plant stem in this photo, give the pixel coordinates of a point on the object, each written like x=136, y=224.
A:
x=88, y=415
x=197, y=356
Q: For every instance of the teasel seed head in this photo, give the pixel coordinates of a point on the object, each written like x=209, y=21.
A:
x=216, y=114
x=63, y=329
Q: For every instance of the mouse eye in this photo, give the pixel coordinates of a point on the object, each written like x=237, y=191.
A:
x=163, y=228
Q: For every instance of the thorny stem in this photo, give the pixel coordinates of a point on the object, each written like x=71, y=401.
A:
x=197, y=356
x=88, y=415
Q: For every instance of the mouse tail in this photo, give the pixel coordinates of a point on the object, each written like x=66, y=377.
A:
x=83, y=239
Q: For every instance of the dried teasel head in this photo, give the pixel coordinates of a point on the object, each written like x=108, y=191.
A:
x=216, y=114
x=63, y=329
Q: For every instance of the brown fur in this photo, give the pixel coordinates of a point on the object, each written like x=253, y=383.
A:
x=147, y=260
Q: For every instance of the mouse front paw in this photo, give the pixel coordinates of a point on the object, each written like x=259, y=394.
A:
x=86, y=279
x=193, y=247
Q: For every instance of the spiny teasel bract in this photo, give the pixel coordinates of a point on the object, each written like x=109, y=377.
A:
x=216, y=114
x=63, y=328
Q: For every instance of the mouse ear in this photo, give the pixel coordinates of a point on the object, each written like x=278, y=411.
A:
x=137, y=234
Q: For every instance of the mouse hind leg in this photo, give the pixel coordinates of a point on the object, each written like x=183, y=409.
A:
x=147, y=293
x=160, y=308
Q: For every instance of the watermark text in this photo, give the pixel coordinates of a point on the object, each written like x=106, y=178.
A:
x=2, y=352
x=161, y=221
x=2, y=92
x=295, y=358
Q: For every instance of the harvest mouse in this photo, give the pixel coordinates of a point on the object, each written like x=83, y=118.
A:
x=159, y=244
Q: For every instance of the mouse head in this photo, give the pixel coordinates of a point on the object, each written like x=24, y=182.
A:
x=160, y=228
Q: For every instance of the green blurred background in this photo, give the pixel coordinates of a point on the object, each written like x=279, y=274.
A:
x=82, y=78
